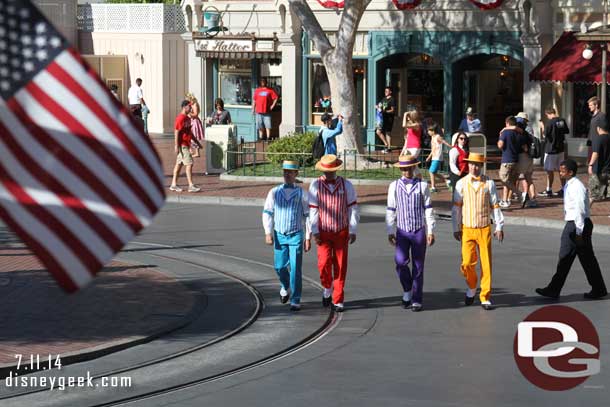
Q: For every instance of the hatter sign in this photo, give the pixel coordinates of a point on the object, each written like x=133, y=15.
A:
x=487, y=4
x=406, y=4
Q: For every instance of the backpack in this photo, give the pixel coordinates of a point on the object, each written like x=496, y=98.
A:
x=535, y=148
x=318, y=149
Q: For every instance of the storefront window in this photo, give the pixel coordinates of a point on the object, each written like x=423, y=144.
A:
x=235, y=80
x=320, y=98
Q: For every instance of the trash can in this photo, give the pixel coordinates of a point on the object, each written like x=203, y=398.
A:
x=220, y=139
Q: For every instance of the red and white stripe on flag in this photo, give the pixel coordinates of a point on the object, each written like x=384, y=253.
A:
x=487, y=4
x=78, y=177
x=331, y=4
x=406, y=4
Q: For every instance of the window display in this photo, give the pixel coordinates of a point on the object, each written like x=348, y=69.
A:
x=235, y=80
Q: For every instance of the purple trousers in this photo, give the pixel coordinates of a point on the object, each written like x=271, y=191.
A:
x=415, y=243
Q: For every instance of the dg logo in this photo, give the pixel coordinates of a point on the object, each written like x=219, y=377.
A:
x=557, y=348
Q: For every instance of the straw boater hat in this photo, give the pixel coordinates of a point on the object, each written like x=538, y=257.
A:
x=406, y=161
x=476, y=158
x=290, y=165
x=523, y=115
x=329, y=163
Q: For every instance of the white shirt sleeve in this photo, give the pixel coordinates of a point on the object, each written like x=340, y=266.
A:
x=577, y=195
x=313, y=207
x=429, y=211
x=456, y=208
x=390, y=215
x=268, y=212
x=140, y=94
x=453, y=156
x=498, y=216
x=305, y=203
x=353, y=213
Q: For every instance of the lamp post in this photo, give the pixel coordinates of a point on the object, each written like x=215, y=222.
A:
x=598, y=37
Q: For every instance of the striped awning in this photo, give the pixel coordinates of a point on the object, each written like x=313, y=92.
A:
x=240, y=55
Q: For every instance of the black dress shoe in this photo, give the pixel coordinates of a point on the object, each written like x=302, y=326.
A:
x=545, y=292
x=416, y=307
x=406, y=304
x=326, y=301
x=594, y=295
x=487, y=307
x=468, y=300
x=284, y=298
x=338, y=308
x=294, y=307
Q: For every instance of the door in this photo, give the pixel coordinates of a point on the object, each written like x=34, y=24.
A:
x=398, y=81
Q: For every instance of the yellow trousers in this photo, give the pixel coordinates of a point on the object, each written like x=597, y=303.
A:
x=471, y=239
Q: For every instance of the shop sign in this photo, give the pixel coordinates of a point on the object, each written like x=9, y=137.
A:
x=406, y=4
x=331, y=4
x=224, y=45
x=487, y=4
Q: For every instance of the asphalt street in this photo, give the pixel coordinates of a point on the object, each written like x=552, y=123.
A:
x=375, y=353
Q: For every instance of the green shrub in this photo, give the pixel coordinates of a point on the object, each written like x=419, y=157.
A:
x=291, y=147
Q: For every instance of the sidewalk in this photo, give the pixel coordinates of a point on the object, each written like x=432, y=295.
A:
x=125, y=305
x=212, y=186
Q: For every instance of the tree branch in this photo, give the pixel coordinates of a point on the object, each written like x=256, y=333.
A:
x=311, y=25
x=350, y=19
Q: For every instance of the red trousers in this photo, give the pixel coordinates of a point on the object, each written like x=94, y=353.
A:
x=332, y=262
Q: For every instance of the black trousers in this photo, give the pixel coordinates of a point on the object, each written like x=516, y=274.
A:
x=568, y=252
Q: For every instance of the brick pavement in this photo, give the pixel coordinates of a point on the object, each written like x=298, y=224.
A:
x=125, y=303
x=550, y=208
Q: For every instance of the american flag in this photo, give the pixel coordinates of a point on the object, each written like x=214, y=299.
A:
x=78, y=177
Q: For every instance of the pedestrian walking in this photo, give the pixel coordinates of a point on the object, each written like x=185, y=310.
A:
x=576, y=238
x=263, y=103
x=458, y=167
x=387, y=108
x=511, y=144
x=410, y=210
x=599, y=164
x=554, y=149
x=436, y=154
x=413, y=134
x=196, y=124
x=474, y=201
x=334, y=221
x=183, y=137
x=135, y=95
x=525, y=163
x=285, y=220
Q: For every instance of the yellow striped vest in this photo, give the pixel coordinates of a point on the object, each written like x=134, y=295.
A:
x=476, y=207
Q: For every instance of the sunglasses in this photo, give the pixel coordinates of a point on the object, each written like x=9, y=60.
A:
x=461, y=138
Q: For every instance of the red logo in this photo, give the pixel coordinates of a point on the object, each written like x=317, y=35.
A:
x=557, y=348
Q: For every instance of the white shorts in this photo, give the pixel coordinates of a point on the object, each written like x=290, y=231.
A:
x=412, y=151
x=552, y=161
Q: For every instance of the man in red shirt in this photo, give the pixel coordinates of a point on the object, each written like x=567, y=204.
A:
x=264, y=101
x=182, y=146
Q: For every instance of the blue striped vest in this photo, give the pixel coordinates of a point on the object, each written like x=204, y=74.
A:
x=288, y=213
x=409, y=206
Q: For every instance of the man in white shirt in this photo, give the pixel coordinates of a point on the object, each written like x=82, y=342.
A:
x=576, y=238
x=136, y=98
x=285, y=215
x=334, y=220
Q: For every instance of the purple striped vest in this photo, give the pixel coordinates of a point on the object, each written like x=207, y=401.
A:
x=409, y=206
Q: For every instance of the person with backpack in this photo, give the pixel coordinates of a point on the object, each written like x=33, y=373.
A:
x=328, y=133
x=525, y=163
x=554, y=150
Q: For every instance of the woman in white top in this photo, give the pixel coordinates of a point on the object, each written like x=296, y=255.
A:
x=436, y=155
x=458, y=167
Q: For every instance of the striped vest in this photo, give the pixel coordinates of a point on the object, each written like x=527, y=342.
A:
x=409, y=206
x=476, y=207
x=288, y=213
x=332, y=206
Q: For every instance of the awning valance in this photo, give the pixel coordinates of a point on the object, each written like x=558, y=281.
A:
x=240, y=55
x=564, y=62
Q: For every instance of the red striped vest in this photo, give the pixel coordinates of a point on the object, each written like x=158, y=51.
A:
x=332, y=206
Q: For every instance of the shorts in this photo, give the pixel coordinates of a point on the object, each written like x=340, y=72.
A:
x=508, y=174
x=413, y=151
x=184, y=156
x=552, y=161
x=525, y=167
x=263, y=121
x=597, y=184
x=435, y=166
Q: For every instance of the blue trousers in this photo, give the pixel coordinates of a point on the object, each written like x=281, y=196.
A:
x=413, y=243
x=288, y=251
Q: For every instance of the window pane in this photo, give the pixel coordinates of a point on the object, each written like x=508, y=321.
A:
x=236, y=88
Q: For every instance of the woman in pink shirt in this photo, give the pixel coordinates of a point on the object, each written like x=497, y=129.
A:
x=413, y=134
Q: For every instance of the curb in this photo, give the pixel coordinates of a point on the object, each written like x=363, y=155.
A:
x=376, y=210
x=308, y=180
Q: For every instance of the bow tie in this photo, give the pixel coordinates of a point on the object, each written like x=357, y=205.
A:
x=408, y=181
x=288, y=186
x=476, y=178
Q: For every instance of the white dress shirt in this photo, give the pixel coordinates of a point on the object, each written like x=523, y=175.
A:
x=270, y=204
x=458, y=196
x=135, y=95
x=390, y=216
x=576, y=203
x=353, y=213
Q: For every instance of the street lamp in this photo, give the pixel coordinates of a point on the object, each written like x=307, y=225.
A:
x=599, y=37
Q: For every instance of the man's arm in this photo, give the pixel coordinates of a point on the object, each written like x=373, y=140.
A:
x=268, y=212
x=501, y=143
x=429, y=211
x=176, y=140
x=275, y=98
x=352, y=208
x=494, y=202
x=313, y=207
x=390, y=216
x=592, y=161
x=456, y=209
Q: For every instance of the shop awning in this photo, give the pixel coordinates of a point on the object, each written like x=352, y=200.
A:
x=240, y=55
x=564, y=62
